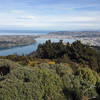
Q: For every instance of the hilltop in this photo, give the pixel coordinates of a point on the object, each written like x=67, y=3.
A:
x=54, y=72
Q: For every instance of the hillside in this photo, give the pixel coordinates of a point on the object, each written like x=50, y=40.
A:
x=54, y=72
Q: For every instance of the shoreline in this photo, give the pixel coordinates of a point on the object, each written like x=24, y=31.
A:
x=1, y=49
x=12, y=41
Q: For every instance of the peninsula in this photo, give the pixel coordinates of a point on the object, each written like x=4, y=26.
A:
x=9, y=41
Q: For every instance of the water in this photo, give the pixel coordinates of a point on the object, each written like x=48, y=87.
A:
x=30, y=48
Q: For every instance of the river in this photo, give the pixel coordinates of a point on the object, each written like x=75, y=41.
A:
x=30, y=48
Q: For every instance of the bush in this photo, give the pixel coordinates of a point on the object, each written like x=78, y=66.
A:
x=86, y=74
x=8, y=63
x=25, y=83
x=88, y=80
x=47, y=82
x=6, y=66
x=82, y=83
x=60, y=69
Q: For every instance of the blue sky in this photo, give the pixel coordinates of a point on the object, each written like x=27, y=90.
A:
x=50, y=14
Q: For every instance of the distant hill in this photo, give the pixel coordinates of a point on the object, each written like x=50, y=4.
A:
x=80, y=33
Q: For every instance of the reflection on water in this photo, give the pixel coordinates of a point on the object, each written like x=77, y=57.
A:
x=30, y=48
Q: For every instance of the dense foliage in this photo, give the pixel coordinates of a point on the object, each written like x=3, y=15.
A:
x=56, y=71
x=76, y=52
x=47, y=82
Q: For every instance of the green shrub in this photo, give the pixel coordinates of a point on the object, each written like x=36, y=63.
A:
x=82, y=83
x=25, y=83
x=47, y=82
x=6, y=66
x=88, y=80
x=11, y=64
x=60, y=69
x=86, y=74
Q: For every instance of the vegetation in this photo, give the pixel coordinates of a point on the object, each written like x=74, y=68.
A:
x=56, y=71
x=76, y=52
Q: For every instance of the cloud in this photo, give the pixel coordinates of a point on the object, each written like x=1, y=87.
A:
x=16, y=11
x=50, y=21
x=58, y=14
x=63, y=6
x=27, y=18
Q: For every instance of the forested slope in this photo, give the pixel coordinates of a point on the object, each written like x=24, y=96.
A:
x=56, y=71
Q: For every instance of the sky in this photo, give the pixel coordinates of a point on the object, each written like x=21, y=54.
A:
x=50, y=14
